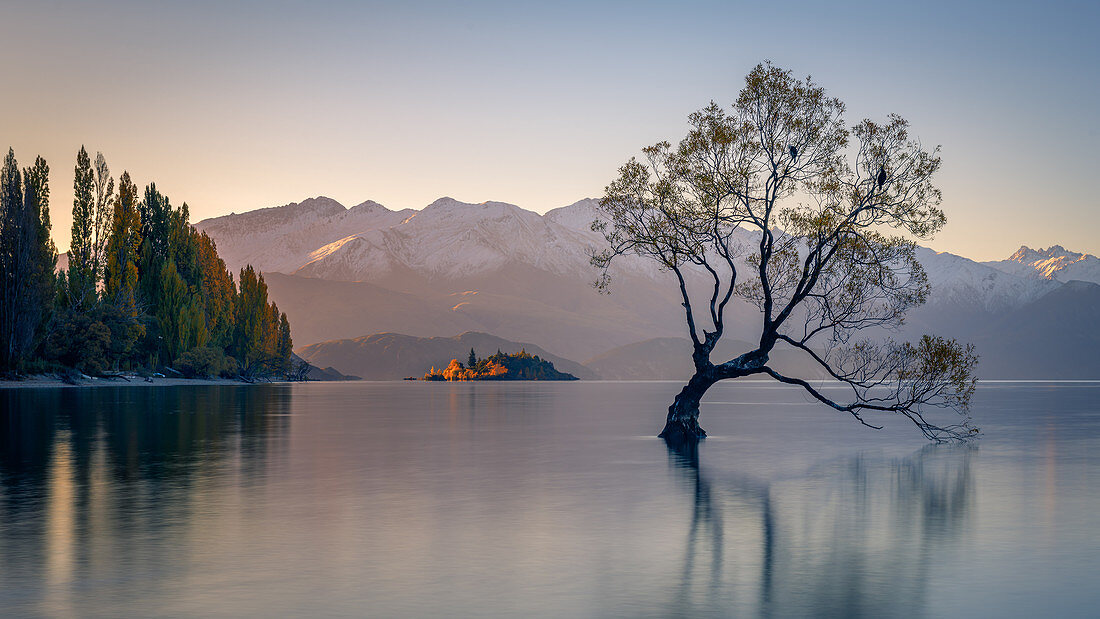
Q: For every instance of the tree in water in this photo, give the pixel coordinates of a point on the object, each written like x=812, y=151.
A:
x=777, y=202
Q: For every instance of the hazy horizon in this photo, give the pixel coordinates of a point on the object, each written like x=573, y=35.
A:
x=254, y=105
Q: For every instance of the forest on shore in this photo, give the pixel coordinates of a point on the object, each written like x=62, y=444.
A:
x=144, y=291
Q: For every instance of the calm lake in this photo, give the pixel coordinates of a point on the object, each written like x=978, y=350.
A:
x=539, y=499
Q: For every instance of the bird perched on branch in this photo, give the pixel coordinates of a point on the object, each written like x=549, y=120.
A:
x=794, y=153
x=881, y=176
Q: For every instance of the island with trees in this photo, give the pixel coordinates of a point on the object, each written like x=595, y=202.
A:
x=499, y=366
x=143, y=292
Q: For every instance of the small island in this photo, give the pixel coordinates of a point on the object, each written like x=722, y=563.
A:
x=500, y=366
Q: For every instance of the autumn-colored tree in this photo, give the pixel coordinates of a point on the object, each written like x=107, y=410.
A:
x=261, y=341
x=217, y=291
x=123, y=247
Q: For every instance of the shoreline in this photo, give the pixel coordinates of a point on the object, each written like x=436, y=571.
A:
x=51, y=382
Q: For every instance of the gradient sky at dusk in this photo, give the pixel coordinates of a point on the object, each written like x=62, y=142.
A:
x=241, y=105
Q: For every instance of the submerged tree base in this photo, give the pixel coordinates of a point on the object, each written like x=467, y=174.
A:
x=682, y=424
x=680, y=428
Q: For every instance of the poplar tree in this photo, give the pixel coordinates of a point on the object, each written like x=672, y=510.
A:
x=286, y=344
x=250, y=315
x=40, y=286
x=82, y=258
x=217, y=290
x=104, y=212
x=123, y=245
x=11, y=211
x=27, y=259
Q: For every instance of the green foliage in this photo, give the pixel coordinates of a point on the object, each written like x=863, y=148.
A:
x=82, y=266
x=123, y=247
x=524, y=366
x=261, y=337
x=104, y=215
x=168, y=303
x=167, y=296
x=40, y=283
x=835, y=210
x=217, y=291
x=80, y=340
x=27, y=260
x=500, y=366
x=206, y=361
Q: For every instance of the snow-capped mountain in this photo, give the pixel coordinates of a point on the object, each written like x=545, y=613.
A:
x=959, y=281
x=281, y=238
x=498, y=268
x=321, y=238
x=1054, y=263
x=451, y=240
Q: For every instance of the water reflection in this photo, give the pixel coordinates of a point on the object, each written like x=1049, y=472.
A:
x=852, y=537
x=516, y=499
x=82, y=469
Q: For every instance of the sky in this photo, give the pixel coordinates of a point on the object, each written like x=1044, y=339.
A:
x=233, y=106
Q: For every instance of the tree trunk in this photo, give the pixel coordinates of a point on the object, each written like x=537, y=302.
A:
x=682, y=424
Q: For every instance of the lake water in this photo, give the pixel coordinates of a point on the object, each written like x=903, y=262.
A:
x=539, y=499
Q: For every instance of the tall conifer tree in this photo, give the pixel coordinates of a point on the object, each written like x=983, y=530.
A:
x=27, y=259
x=40, y=286
x=11, y=220
x=123, y=245
x=104, y=214
x=82, y=259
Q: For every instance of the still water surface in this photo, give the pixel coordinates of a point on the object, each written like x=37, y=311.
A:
x=539, y=499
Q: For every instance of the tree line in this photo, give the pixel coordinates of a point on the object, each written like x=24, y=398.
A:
x=144, y=291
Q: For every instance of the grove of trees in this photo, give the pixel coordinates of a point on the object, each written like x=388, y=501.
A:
x=143, y=291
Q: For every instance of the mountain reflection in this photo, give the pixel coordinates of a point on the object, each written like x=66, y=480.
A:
x=852, y=537
x=80, y=466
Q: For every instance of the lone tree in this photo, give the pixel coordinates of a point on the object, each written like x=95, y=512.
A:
x=778, y=202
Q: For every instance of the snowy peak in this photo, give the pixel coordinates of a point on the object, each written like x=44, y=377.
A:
x=281, y=238
x=451, y=241
x=961, y=281
x=369, y=205
x=321, y=205
x=1054, y=263
x=577, y=216
x=450, y=207
x=1025, y=254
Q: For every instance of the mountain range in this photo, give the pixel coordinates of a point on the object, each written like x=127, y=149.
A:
x=495, y=268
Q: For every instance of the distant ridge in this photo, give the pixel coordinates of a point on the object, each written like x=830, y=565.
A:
x=393, y=356
x=493, y=267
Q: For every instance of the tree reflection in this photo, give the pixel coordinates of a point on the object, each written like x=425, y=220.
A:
x=82, y=465
x=850, y=537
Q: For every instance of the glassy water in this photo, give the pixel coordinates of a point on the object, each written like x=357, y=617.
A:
x=539, y=499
